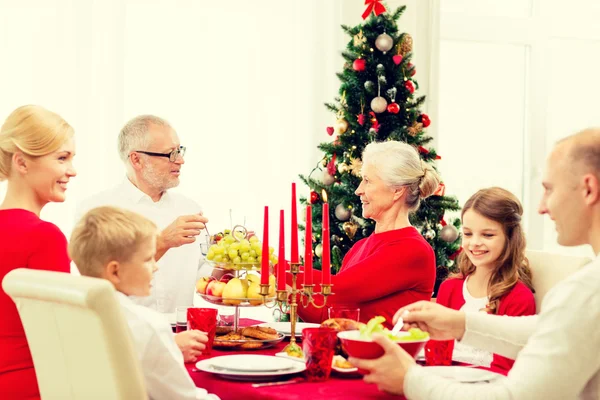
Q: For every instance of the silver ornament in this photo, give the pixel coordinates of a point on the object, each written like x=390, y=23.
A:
x=319, y=250
x=384, y=42
x=370, y=86
x=429, y=234
x=379, y=104
x=449, y=233
x=327, y=179
x=342, y=213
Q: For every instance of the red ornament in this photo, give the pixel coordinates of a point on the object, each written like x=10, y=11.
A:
x=361, y=119
x=412, y=69
x=331, y=166
x=409, y=86
x=373, y=6
x=423, y=150
x=424, y=119
x=374, y=122
x=359, y=64
x=397, y=59
x=330, y=130
x=394, y=108
x=314, y=197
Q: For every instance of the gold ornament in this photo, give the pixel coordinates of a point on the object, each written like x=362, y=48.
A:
x=343, y=101
x=341, y=126
x=406, y=45
x=342, y=168
x=415, y=129
x=359, y=39
x=355, y=167
x=350, y=229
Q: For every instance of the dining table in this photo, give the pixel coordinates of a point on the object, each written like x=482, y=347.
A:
x=338, y=386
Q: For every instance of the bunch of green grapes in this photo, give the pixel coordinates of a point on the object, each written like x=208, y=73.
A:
x=243, y=252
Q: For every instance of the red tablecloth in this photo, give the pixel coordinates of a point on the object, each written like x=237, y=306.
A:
x=337, y=387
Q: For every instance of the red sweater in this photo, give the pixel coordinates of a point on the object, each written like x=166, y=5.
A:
x=519, y=301
x=25, y=242
x=379, y=274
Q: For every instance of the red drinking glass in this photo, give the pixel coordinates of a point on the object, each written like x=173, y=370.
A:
x=204, y=319
x=439, y=352
x=318, y=345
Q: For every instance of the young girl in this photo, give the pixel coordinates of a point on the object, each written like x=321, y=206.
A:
x=36, y=155
x=493, y=276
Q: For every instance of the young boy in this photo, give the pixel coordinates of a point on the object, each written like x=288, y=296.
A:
x=119, y=246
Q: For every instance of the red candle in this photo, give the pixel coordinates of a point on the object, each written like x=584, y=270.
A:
x=264, y=270
x=294, y=248
x=326, y=263
x=281, y=261
x=308, y=260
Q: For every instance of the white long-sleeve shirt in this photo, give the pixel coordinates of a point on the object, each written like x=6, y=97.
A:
x=175, y=281
x=557, y=352
x=160, y=358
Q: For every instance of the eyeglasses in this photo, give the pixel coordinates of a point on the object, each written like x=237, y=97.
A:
x=172, y=156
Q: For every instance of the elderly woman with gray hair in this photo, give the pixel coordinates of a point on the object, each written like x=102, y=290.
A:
x=394, y=266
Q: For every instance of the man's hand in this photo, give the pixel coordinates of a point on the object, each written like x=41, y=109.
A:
x=181, y=231
x=387, y=371
x=191, y=343
x=441, y=322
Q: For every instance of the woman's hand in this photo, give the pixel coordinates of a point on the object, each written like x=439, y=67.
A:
x=389, y=370
x=441, y=322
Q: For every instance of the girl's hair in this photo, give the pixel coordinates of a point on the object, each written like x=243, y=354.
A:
x=32, y=130
x=398, y=164
x=501, y=206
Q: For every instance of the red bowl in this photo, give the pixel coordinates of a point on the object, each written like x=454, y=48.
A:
x=367, y=349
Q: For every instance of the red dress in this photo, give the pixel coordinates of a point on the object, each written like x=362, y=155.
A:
x=379, y=275
x=25, y=242
x=519, y=301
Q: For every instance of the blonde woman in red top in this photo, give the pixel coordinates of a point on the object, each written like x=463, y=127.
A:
x=36, y=158
x=395, y=265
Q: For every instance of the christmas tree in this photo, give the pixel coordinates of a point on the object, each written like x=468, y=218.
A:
x=376, y=102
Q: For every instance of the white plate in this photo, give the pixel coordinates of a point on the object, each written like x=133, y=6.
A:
x=344, y=371
x=286, y=327
x=464, y=374
x=251, y=363
x=207, y=366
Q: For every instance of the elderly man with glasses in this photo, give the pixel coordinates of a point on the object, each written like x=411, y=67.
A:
x=153, y=156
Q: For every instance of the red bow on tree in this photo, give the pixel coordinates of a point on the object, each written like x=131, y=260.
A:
x=373, y=6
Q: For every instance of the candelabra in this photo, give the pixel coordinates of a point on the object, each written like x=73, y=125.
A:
x=291, y=297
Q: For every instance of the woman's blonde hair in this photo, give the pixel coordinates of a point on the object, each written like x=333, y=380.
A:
x=106, y=234
x=32, y=130
x=398, y=164
x=512, y=266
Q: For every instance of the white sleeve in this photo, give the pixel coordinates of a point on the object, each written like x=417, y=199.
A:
x=559, y=360
x=502, y=335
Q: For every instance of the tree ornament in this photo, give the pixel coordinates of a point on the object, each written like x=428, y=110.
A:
x=450, y=263
x=370, y=87
x=441, y=190
x=406, y=44
x=341, y=126
x=330, y=130
x=342, y=167
x=373, y=6
x=359, y=64
x=355, y=167
x=331, y=165
x=319, y=250
x=327, y=179
x=409, y=86
x=342, y=213
x=360, y=118
x=359, y=39
x=397, y=59
x=394, y=108
x=374, y=122
x=378, y=104
x=335, y=239
x=384, y=42
x=415, y=129
x=424, y=119
x=314, y=197
x=411, y=69
x=350, y=229
x=429, y=234
x=449, y=233
x=380, y=69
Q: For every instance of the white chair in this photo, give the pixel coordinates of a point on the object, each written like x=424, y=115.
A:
x=79, y=340
x=547, y=269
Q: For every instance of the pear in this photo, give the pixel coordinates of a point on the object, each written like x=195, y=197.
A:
x=252, y=278
x=253, y=294
x=272, y=283
x=236, y=288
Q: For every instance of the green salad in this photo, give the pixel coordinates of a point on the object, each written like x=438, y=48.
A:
x=375, y=325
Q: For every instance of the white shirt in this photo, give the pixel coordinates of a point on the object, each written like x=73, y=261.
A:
x=174, y=282
x=160, y=358
x=463, y=352
x=557, y=352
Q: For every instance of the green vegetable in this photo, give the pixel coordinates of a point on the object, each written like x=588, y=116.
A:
x=375, y=325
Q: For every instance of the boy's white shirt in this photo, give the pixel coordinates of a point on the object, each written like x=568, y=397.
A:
x=160, y=358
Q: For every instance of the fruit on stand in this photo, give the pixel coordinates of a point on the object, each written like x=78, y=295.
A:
x=235, y=289
x=253, y=295
x=237, y=250
x=215, y=288
x=203, y=283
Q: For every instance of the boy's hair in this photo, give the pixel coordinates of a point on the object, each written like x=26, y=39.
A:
x=512, y=266
x=106, y=234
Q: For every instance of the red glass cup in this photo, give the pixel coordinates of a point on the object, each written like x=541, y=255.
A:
x=439, y=352
x=318, y=345
x=204, y=319
x=341, y=311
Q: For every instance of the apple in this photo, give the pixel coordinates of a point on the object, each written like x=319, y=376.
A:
x=236, y=289
x=215, y=288
x=227, y=277
x=203, y=283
